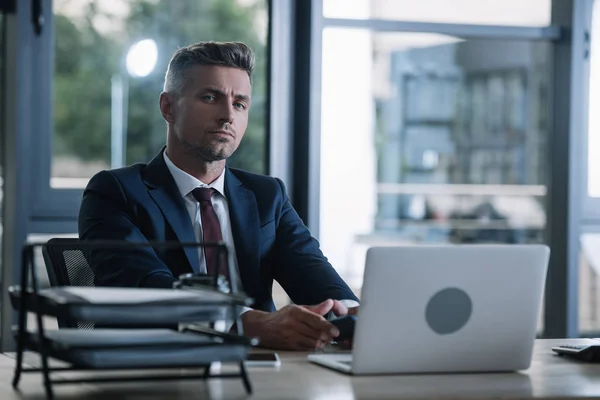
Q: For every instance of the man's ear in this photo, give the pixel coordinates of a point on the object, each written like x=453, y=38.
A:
x=166, y=103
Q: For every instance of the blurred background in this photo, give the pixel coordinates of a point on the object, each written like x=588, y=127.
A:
x=92, y=42
x=392, y=122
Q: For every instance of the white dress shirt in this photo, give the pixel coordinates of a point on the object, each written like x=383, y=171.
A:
x=186, y=183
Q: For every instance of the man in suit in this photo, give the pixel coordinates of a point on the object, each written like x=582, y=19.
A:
x=187, y=193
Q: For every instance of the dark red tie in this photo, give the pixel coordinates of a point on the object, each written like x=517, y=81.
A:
x=211, y=229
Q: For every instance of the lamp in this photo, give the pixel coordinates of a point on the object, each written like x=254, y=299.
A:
x=140, y=61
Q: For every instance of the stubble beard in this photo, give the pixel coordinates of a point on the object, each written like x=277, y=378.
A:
x=208, y=153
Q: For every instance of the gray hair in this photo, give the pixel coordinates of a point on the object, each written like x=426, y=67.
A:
x=228, y=54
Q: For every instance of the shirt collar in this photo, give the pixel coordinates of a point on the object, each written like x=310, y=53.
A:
x=186, y=182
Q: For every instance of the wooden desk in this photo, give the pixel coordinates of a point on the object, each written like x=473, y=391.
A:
x=549, y=377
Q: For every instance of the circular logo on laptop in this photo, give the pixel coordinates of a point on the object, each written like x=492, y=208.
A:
x=448, y=311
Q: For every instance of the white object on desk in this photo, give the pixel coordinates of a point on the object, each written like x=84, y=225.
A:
x=108, y=295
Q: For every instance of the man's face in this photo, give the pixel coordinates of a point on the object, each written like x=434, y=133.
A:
x=210, y=115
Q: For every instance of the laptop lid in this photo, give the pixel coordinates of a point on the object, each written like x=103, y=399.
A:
x=449, y=308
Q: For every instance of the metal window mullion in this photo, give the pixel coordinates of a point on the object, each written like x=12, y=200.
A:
x=306, y=141
x=281, y=64
x=18, y=128
x=463, y=31
x=564, y=197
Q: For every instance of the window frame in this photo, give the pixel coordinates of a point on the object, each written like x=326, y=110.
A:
x=560, y=318
x=64, y=203
x=32, y=206
x=591, y=205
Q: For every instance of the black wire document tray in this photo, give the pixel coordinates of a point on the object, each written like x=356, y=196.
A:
x=138, y=318
x=131, y=306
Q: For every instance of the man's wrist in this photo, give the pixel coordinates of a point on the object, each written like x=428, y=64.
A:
x=251, y=314
x=250, y=318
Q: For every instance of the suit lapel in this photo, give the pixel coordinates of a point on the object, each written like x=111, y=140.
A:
x=163, y=190
x=245, y=226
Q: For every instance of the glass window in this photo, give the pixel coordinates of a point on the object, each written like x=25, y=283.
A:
x=2, y=138
x=589, y=285
x=489, y=12
x=444, y=141
x=104, y=117
x=594, y=104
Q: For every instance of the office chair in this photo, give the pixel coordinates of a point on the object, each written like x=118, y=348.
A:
x=67, y=266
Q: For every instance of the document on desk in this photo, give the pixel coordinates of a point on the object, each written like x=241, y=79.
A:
x=132, y=348
x=105, y=295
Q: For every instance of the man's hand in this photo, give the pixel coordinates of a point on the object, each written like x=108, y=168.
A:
x=337, y=307
x=293, y=327
x=347, y=344
x=353, y=311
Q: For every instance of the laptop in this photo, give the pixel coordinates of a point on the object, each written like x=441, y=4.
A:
x=447, y=308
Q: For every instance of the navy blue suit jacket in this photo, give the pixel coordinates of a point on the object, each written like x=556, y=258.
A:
x=142, y=203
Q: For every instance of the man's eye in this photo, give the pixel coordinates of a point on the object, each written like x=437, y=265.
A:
x=240, y=106
x=208, y=97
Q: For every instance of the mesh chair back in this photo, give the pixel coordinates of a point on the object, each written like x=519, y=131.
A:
x=67, y=266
